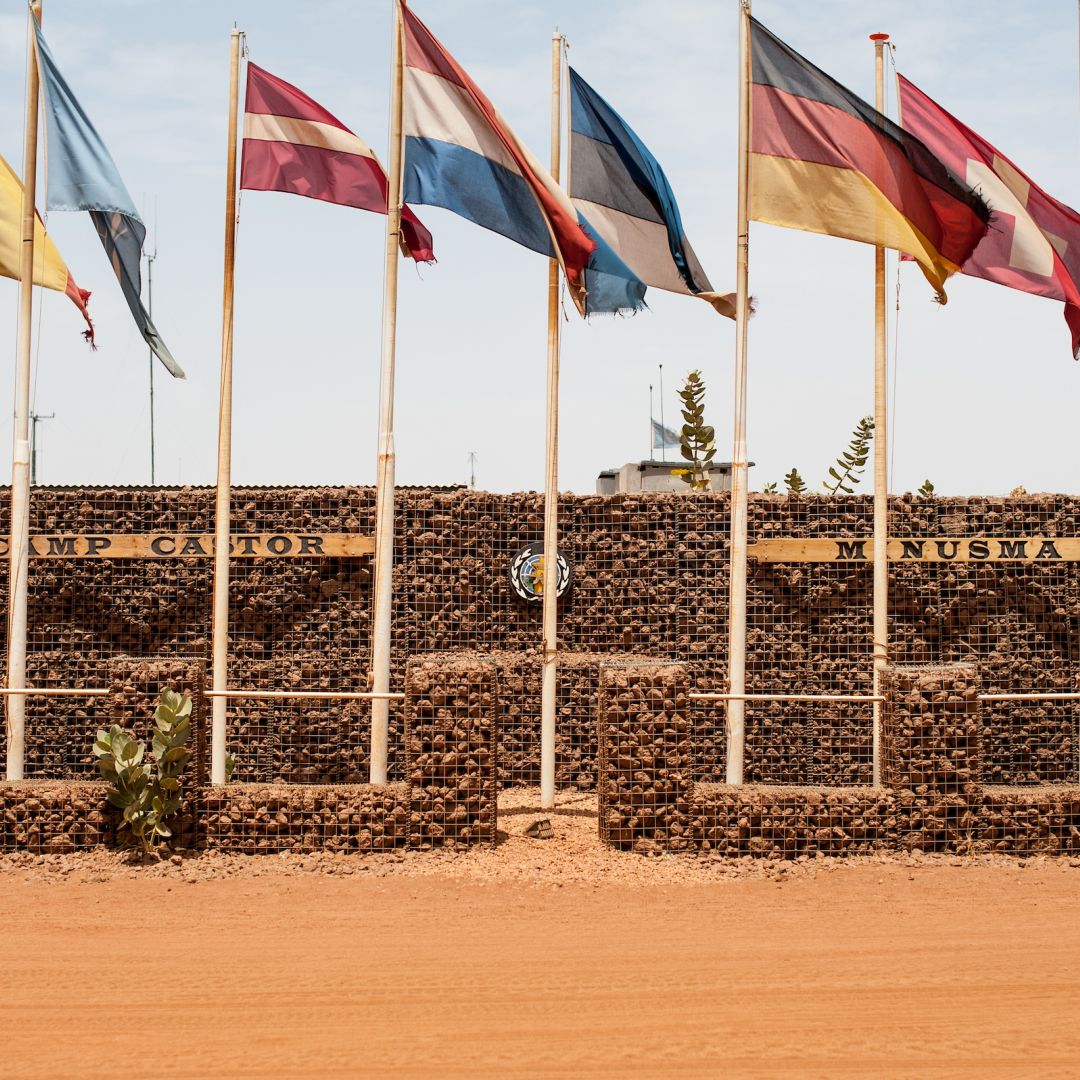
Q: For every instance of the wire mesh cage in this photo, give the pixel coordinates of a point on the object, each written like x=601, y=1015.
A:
x=650, y=580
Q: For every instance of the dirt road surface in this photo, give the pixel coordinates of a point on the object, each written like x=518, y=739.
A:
x=539, y=959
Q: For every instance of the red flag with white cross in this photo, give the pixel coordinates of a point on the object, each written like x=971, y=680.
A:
x=1033, y=243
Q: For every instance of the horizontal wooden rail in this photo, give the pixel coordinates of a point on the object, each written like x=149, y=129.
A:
x=786, y=697
x=322, y=695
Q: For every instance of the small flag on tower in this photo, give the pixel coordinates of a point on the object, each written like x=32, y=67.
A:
x=1036, y=245
x=49, y=268
x=663, y=438
x=292, y=144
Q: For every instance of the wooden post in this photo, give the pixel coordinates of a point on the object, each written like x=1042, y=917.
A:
x=384, y=480
x=224, y=475
x=19, y=546
x=736, y=712
x=550, y=685
x=881, y=443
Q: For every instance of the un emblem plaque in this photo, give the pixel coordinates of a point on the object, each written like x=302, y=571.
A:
x=527, y=573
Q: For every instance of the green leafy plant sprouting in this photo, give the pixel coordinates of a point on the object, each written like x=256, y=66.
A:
x=794, y=483
x=147, y=795
x=770, y=488
x=850, y=464
x=697, y=442
x=927, y=489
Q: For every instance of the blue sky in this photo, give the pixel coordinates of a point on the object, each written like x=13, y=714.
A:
x=987, y=393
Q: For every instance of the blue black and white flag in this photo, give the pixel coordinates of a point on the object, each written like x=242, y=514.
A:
x=663, y=438
x=619, y=186
x=81, y=175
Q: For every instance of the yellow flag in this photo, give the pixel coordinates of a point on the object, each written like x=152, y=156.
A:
x=49, y=268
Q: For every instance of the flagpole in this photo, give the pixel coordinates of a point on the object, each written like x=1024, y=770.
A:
x=663, y=440
x=222, y=527
x=385, y=475
x=19, y=545
x=549, y=691
x=881, y=420
x=652, y=433
x=736, y=710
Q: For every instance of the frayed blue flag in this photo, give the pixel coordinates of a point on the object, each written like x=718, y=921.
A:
x=82, y=175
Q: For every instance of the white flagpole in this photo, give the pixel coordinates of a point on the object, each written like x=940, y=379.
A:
x=881, y=421
x=736, y=710
x=222, y=525
x=652, y=433
x=549, y=691
x=385, y=476
x=19, y=546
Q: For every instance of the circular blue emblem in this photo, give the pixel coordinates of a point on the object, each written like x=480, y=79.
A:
x=527, y=573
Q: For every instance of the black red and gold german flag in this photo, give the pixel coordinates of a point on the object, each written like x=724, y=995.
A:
x=825, y=161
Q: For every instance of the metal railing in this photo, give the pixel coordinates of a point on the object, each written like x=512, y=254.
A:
x=786, y=697
x=321, y=695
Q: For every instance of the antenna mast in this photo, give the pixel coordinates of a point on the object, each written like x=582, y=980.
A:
x=35, y=419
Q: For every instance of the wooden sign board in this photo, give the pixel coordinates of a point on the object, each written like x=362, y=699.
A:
x=194, y=545
x=1031, y=549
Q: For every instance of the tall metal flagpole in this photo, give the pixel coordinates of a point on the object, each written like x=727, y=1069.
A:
x=150, y=311
x=663, y=440
x=222, y=528
x=736, y=710
x=652, y=433
x=549, y=691
x=384, y=481
x=881, y=445
x=19, y=545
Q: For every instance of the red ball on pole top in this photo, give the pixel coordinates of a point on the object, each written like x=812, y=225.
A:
x=879, y=37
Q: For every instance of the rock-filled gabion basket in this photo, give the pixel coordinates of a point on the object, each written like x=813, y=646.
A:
x=932, y=729
x=262, y=819
x=645, y=766
x=933, y=799
x=448, y=801
x=55, y=817
x=451, y=710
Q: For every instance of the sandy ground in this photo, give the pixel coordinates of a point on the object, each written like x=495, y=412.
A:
x=552, y=958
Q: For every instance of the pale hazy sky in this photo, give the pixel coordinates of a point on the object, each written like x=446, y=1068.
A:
x=987, y=393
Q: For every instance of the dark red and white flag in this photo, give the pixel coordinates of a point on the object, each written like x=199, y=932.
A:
x=292, y=144
x=1033, y=243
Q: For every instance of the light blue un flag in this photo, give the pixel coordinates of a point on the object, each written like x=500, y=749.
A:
x=82, y=175
x=663, y=438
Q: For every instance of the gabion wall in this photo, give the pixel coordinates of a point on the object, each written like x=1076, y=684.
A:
x=650, y=579
x=934, y=797
x=451, y=707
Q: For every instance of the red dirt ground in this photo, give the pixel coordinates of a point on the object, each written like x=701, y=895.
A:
x=540, y=959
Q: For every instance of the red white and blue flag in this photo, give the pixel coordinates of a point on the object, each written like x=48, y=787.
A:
x=460, y=154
